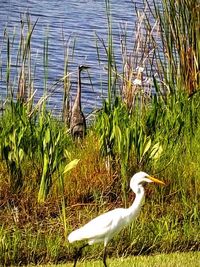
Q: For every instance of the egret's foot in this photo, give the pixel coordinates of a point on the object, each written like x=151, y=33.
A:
x=104, y=257
x=78, y=254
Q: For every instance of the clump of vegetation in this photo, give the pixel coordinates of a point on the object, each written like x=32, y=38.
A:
x=50, y=184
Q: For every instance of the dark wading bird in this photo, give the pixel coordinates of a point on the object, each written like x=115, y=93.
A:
x=77, y=118
x=105, y=226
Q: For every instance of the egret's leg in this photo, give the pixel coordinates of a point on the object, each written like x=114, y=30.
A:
x=104, y=257
x=78, y=254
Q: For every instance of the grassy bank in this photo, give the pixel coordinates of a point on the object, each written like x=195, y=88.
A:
x=170, y=260
x=34, y=230
x=51, y=184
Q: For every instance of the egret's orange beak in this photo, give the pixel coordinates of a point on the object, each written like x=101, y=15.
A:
x=155, y=180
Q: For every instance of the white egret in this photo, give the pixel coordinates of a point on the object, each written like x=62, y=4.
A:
x=105, y=226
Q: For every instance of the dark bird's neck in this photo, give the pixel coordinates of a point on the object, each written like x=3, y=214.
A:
x=77, y=102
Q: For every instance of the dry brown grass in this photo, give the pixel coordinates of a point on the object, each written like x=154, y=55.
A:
x=90, y=175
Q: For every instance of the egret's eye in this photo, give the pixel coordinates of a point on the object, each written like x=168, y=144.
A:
x=143, y=183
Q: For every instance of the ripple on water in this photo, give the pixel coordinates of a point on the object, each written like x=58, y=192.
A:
x=79, y=19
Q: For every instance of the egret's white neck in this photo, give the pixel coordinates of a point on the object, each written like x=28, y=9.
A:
x=134, y=209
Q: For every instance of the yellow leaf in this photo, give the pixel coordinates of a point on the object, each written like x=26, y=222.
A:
x=71, y=165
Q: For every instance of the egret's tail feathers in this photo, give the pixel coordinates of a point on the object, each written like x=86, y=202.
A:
x=76, y=236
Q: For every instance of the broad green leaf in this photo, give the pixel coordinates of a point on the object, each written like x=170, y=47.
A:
x=21, y=154
x=12, y=137
x=118, y=137
x=57, y=139
x=67, y=154
x=156, y=151
x=147, y=147
x=47, y=136
x=10, y=156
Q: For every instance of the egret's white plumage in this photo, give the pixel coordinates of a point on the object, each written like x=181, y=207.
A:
x=105, y=226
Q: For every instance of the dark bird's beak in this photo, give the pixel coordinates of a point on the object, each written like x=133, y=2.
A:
x=83, y=67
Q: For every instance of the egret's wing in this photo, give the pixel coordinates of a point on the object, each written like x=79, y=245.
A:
x=97, y=228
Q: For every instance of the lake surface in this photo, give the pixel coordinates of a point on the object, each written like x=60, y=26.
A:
x=79, y=20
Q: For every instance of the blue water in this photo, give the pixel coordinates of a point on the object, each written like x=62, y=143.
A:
x=61, y=21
